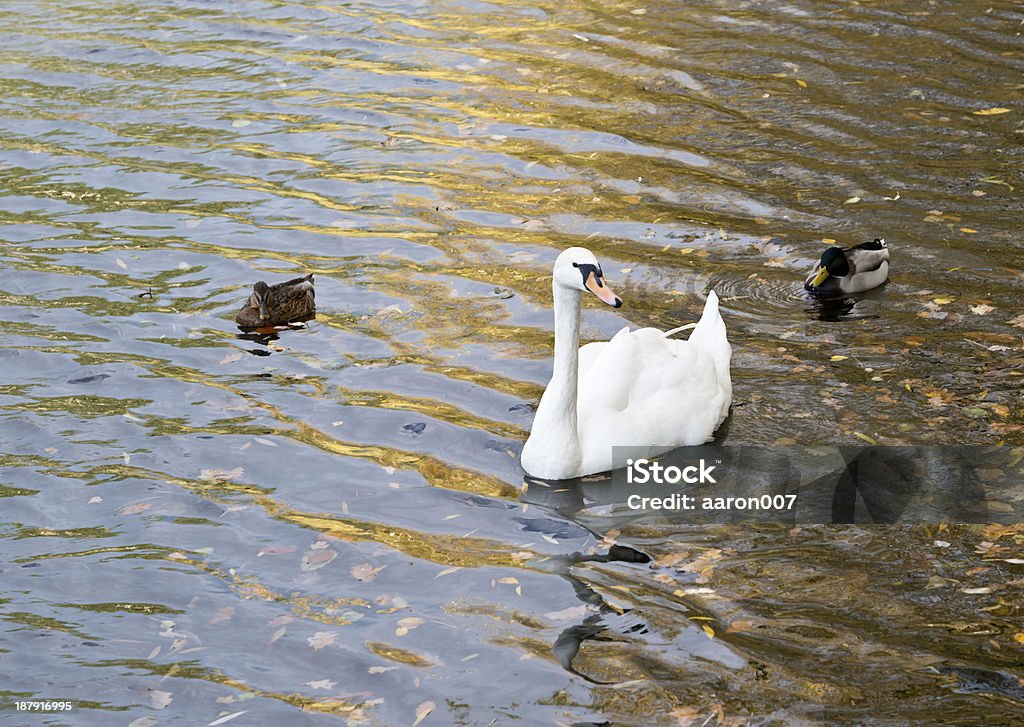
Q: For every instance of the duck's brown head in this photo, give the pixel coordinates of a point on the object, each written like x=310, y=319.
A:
x=261, y=299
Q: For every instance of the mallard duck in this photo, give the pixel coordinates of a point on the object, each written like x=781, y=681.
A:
x=276, y=305
x=640, y=389
x=851, y=269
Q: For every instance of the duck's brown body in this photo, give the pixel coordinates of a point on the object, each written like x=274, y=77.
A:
x=276, y=305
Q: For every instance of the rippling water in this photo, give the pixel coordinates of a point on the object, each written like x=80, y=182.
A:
x=196, y=523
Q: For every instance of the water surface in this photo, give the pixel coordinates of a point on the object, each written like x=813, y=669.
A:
x=332, y=525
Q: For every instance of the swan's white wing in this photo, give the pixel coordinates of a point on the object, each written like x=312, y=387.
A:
x=592, y=351
x=641, y=388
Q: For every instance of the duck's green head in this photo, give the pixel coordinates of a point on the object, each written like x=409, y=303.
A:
x=833, y=262
x=261, y=299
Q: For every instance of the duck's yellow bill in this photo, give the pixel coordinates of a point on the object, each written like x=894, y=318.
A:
x=820, y=277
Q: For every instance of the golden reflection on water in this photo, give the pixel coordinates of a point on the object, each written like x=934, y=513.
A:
x=427, y=163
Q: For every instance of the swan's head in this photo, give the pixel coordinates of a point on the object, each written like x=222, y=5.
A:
x=260, y=299
x=578, y=269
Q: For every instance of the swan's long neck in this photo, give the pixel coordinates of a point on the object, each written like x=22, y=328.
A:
x=556, y=414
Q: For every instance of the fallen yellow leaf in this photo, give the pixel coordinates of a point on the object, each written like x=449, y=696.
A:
x=992, y=111
x=422, y=711
x=839, y=358
x=870, y=440
x=968, y=230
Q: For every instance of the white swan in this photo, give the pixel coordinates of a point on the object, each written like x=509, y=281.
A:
x=640, y=389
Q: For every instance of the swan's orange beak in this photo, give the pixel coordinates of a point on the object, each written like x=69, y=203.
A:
x=596, y=285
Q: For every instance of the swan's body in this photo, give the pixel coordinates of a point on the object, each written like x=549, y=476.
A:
x=850, y=269
x=640, y=389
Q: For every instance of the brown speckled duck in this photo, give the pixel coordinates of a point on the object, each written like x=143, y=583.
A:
x=277, y=305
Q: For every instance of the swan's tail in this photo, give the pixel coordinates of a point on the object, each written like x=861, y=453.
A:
x=710, y=335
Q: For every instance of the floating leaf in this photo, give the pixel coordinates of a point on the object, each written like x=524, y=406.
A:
x=969, y=230
x=943, y=300
x=407, y=624
x=321, y=639
x=839, y=358
x=230, y=358
x=935, y=582
x=222, y=614
x=992, y=111
x=321, y=684
x=316, y=558
x=708, y=630
x=121, y=264
x=866, y=438
x=422, y=711
x=159, y=699
x=221, y=474
x=365, y=572
x=134, y=509
x=982, y=309
x=852, y=200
